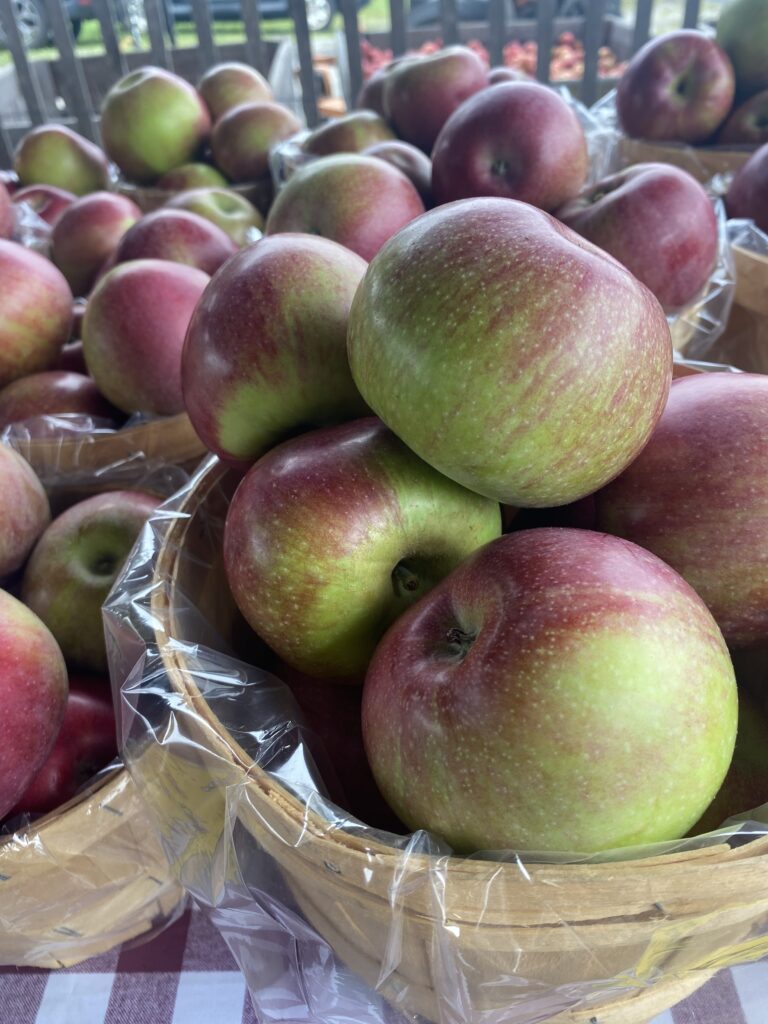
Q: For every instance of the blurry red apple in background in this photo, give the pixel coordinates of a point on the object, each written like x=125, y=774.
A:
x=46, y=201
x=74, y=565
x=85, y=744
x=742, y=31
x=151, y=122
x=351, y=133
x=233, y=213
x=243, y=137
x=53, y=154
x=552, y=663
x=133, y=333
x=655, y=219
x=520, y=141
x=697, y=496
x=33, y=696
x=420, y=95
x=371, y=95
x=87, y=234
x=178, y=236
x=748, y=124
x=35, y=312
x=333, y=534
x=679, y=87
x=509, y=353
x=24, y=510
x=497, y=75
x=191, y=176
x=357, y=201
x=266, y=350
x=51, y=393
x=747, y=195
x=414, y=164
x=229, y=85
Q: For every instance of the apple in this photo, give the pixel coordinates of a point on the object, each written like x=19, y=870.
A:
x=73, y=566
x=748, y=124
x=519, y=140
x=35, y=312
x=371, y=95
x=243, y=137
x=33, y=696
x=10, y=180
x=85, y=744
x=191, y=176
x=6, y=213
x=229, y=85
x=497, y=75
x=358, y=201
x=697, y=497
x=746, y=785
x=133, y=333
x=332, y=716
x=71, y=359
x=747, y=195
x=333, y=534
x=265, y=354
x=24, y=510
x=420, y=95
x=53, y=154
x=151, y=122
x=179, y=236
x=47, y=201
x=414, y=164
x=52, y=393
x=233, y=213
x=742, y=31
x=510, y=354
x=348, y=134
x=560, y=690
x=655, y=219
x=679, y=87
x=87, y=233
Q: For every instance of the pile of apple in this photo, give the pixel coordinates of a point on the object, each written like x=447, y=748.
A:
x=58, y=724
x=689, y=88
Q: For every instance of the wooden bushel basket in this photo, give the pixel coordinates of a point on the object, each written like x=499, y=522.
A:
x=703, y=162
x=83, y=879
x=635, y=936
x=744, y=343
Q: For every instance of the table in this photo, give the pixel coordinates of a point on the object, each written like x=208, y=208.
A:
x=187, y=975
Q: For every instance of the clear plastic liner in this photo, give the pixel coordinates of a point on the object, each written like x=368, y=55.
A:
x=30, y=230
x=334, y=920
x=90, y=875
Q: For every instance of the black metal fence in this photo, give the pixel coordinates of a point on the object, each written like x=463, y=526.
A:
x=69, y=88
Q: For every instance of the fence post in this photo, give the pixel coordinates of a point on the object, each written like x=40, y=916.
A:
x=306, y=68
x=30, y=87
x=73, y=83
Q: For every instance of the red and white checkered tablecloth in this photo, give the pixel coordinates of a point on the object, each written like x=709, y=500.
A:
x=186, y=975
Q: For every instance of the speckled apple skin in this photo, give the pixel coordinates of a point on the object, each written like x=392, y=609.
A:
x=657, y=221
x=697, y=496
x=87, y=234
x=66, y=582
x=134, y=330
x=509, y=353
x=355, y=200
x=33, y=696
x=348, y=134
x=24, y=510
x=265, y=353
x=519, y=140
x=178, y=236
x=243, y=137
x=420, y=95
x=595, y=708
x=35, y=312
x=318, y=525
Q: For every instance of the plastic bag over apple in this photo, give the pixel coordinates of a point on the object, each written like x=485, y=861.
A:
x=333, y=920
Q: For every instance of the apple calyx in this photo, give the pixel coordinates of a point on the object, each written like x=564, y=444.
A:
x=459, y=642
x=405, y=581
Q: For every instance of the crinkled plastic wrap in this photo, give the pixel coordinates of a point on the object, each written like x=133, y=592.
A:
x=744, y=340
x=30, y=230
x=91, y=874
x=335, y=922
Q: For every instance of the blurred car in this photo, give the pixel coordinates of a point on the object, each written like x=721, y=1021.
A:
x=427, y=12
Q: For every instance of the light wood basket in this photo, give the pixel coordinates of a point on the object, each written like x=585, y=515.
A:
x=744, y=343
x=637, y=935
x=171, y=438
x=703, y=162
x=83, y=879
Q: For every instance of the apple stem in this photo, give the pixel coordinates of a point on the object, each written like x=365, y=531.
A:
x=404, y=579
x=457, y=638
